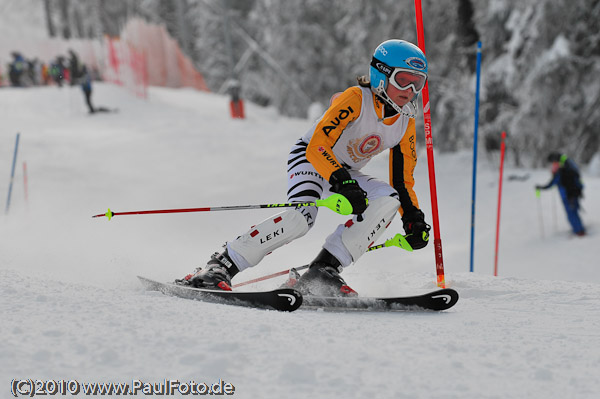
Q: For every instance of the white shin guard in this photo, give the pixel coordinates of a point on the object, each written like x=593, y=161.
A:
x=351, y=240
x=249, y=249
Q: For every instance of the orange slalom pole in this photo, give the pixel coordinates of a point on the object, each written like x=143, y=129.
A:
x=437, y=241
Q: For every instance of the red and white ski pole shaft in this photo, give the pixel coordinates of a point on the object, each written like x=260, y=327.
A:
x=336, y=202
x=397, y=241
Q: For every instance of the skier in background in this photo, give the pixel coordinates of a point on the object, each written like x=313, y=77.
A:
x=81, y=76
x=85, y=80
x=565, y=175
x=377, y=114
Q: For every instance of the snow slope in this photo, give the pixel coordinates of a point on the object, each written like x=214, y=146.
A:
x=73, y=309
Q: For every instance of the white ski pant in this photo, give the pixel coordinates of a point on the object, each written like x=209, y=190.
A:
x=347, y=243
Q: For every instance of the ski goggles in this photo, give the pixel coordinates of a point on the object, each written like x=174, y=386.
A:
x=404, y=79
x=401, y=78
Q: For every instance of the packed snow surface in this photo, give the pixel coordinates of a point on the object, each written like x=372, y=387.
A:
x=73, y=309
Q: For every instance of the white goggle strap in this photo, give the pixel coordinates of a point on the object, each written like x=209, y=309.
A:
x=409, y=109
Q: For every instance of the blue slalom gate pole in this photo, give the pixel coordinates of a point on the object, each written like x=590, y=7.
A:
x=12, y=173
x=475, y=154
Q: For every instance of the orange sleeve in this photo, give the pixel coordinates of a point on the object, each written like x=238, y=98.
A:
x=344, y=109
x=403, y=159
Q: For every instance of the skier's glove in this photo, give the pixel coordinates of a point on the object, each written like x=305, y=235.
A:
x=417, y=231
x=342, y=183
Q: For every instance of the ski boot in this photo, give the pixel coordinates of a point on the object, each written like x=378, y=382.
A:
x=323, y=278
x=217, y=274
x=293, y=277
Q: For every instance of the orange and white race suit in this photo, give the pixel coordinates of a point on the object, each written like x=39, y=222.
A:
x=349, y=134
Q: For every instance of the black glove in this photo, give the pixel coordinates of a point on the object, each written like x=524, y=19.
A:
x=417, y=231
x=342, y=183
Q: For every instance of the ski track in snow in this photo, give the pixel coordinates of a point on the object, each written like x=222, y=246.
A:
x=72, y=308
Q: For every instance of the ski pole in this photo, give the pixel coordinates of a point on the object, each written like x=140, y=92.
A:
x=397, y=241
x=336, y=202
x=540, y=216
x=269, y=276
x=554, y=218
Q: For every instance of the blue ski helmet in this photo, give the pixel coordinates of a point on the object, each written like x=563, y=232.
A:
x=392, y=56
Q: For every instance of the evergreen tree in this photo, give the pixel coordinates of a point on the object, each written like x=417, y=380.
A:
x=467, y=34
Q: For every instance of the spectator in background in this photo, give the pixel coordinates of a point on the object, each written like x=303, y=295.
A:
x=35, y=71
x=17, y=69
x=236, y=103
x=565, y=175
x=75, y=68
x=46, y=78
x=57, y=70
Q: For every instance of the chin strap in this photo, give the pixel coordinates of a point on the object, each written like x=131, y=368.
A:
x=410, y=109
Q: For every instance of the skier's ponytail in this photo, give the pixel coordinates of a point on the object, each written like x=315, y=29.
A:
x=363, y=81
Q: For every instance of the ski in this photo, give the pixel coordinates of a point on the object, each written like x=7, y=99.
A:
x=432, y=301
x=287, y=299
x=284, y=299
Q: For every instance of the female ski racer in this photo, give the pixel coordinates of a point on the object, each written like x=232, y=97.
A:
x=361, y=122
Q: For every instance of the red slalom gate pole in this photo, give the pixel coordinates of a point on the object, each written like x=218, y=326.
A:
x=502, y=149
x=437, y=241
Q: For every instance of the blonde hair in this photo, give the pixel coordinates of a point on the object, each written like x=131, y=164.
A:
x=363, y=81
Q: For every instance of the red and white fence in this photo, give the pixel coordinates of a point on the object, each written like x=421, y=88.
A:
x=144, y=55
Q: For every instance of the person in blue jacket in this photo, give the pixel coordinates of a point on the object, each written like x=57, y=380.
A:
x=565, y=175
x=82, y=77
x=17, y=70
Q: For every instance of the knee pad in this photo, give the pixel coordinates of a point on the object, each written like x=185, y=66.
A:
x=350, y=241
x=266, y=237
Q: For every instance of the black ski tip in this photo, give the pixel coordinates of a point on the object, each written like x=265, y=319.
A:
x=287, y=299
x=437, y=300
x=441, y=299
